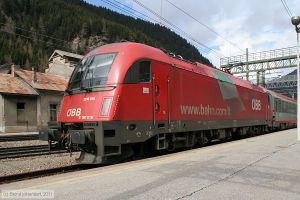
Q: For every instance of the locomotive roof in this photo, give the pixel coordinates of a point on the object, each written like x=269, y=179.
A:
x=280, y=96
x=129, y=52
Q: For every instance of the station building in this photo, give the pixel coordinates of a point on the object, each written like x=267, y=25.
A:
x=30, y=100
x=62, y=63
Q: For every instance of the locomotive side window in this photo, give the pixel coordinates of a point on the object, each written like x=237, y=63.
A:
x=139, y=72
x=278, y=105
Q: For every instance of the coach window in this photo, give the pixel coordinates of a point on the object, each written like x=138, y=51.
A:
x=139, y=72
x=290, y=108
x=278, y=105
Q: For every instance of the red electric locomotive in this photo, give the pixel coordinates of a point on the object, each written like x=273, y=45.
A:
x=129, y=98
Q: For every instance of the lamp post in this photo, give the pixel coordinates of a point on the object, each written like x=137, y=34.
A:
x=296, y=21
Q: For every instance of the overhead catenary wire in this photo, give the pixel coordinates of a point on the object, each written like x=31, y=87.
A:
x=286, y=7
x=27, y=37
x=48, y=43
x=120, y=8
x=206, y=26
x=132, y=12
x=127, y=10
x=34, y=32
x=219, y=55
x=176, y=27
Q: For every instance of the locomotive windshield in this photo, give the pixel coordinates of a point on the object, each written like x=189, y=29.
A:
x=91, y=72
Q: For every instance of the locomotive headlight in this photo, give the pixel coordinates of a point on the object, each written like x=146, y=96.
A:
x=106, y=106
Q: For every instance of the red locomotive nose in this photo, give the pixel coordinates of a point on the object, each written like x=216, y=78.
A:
x=89, y=95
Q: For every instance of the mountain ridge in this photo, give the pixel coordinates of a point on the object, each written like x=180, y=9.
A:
x=30, y=30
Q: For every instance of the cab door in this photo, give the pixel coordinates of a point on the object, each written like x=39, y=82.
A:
x=161, y=87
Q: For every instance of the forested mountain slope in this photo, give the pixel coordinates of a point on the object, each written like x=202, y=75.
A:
x=30, y=30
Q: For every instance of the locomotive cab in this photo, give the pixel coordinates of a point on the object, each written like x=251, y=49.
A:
x=87, y=102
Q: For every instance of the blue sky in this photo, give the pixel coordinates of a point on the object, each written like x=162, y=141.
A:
x=257, y=24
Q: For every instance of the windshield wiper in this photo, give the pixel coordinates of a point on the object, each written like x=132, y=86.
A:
x=88, y=88
x=87, y=65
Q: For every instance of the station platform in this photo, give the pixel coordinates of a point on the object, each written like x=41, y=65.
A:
x=262, y=167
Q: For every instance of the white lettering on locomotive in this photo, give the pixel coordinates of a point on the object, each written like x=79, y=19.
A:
x=204, y=110
x=256, y=104
x=89, y=98
x=74, y=112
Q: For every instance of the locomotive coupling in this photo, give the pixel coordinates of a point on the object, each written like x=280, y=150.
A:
x=82, y=136
x=49, y=134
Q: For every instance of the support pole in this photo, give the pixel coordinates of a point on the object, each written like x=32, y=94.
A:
x=296, y=22
x=247, y=65
x=263, y=78
x=298, y=88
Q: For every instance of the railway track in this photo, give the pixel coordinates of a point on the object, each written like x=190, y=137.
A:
x=10, y=138
x=26, y=151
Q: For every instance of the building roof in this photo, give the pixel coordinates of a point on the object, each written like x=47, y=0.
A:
x=13, y=85
x=43, y=81
x=65, y=54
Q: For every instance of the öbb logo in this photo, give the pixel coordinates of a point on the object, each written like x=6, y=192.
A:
x=74, y=112
x=256, y=104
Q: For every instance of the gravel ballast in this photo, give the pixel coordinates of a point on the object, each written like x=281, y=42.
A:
x=22, y=143
x=31, y=164
x=34, y=163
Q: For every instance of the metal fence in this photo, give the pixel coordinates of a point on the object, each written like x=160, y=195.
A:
x=260, y=56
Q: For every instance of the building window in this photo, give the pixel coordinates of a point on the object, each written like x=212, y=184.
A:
x=53, y=112
x=20, y=106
